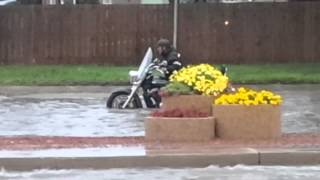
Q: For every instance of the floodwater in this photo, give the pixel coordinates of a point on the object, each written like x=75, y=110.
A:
x=239, y=172
x=67, y=117
x=301, y=107
x=83, y=113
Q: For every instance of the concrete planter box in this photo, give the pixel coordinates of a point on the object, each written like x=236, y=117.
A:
x=247, y=122
x=179, y=129
x=197, y=102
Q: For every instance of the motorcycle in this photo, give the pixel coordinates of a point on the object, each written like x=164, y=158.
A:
x=146, y=83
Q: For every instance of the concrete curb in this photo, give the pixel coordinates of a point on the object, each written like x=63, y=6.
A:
x=229, y=158
x=289, y=157
x=27, y=164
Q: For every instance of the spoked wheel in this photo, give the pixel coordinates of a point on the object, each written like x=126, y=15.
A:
x=117, y=99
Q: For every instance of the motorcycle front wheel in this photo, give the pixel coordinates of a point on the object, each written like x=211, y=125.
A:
x=117, y=99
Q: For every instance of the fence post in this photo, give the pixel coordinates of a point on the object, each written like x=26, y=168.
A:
x=175, y=22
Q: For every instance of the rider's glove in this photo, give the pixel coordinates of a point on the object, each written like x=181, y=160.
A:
x=164, y=63
x=156, y=61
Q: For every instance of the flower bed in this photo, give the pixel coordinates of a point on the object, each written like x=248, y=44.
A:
x=178, y=125
x=202, y=79
x=246, y=96
x=244, y=114
x=194, y=87
x=248, y=114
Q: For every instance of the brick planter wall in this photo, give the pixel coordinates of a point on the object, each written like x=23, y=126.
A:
x=247, y=122
x=179, y=129
x=197, y=102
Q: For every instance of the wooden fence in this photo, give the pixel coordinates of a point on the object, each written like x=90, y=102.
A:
x=119, y=34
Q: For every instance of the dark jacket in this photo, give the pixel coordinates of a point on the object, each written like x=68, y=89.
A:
x=173, y=61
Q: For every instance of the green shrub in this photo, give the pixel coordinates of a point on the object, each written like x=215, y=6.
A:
x=176, y=88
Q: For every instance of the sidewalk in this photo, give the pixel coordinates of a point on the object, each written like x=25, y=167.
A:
x=28, y=153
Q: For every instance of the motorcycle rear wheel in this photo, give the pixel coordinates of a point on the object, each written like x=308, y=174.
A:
x=117, y=99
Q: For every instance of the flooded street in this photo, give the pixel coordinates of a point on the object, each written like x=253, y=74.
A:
x=301, y=107
x=210, y=173
x=83, y=113
x=67, y=117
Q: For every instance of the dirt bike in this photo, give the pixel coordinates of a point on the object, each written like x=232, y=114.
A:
x=146, y=83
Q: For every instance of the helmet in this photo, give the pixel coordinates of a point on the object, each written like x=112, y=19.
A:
x=164, y=43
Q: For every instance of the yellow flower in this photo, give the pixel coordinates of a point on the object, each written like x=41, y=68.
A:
x=250, y=97
x=242, y=90
x=203, y=78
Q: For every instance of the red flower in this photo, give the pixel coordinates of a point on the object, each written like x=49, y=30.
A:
x=179, y=113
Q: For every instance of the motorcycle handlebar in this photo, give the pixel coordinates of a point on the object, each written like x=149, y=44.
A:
x=158, y=68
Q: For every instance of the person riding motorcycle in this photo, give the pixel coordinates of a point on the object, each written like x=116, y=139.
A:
x=168, y=60
x=168, y=57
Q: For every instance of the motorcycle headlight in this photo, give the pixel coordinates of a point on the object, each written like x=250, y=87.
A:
x=133, y=79
x=133, y=76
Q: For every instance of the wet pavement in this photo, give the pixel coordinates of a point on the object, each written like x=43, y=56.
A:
x=301, y=107
x=239, y=172
x=66, y=114
x=111, y=151
x=77, y=111
x=80, y=111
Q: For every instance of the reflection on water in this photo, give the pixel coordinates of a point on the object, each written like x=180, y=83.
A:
x=210, y=173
